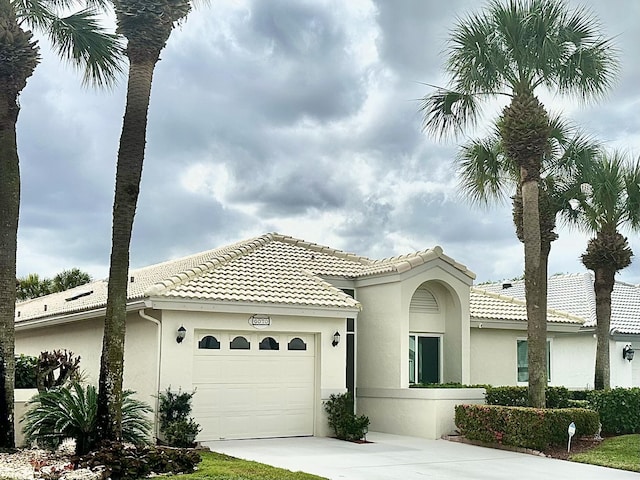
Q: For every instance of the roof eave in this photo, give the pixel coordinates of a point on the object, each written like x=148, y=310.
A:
x=498, y=324
x=199, y=305
x=63, y=318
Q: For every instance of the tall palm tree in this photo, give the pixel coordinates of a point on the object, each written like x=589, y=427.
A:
x=487, y=176
x=610, y=201
x=76, y=37
x=513, y=49
x=147, y=26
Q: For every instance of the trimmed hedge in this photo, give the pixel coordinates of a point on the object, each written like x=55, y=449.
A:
x=557, y=397
x=445, y=385
x=619, y=409
x=523, y=426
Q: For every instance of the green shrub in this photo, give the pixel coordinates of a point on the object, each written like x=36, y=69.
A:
x=509, y=396
x=579, y=394
x=56, y=369
x=71, y=412
x=444, y=385
x=176, y=426
x=557, y=397
x=619, y=409
x=26, y=371
x=523, y=426
x=127, y=462
x=345, y=424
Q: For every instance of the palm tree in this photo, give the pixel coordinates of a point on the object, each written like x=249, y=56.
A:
x=76, y=37
x=610, y=200
x=513, y=49
x=67, y=279
x=146, y=26
x=32, y=286
x=487, y=175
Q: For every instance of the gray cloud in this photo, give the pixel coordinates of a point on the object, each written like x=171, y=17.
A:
x=299, y=117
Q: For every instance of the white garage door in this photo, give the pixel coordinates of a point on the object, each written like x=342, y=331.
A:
x=254, y=385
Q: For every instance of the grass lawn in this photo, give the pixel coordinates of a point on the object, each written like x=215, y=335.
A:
x=222, y=467
x=621, y=452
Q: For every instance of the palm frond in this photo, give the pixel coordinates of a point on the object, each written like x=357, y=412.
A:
x=80, y=39
x=136, y=426
x=593, y=63
x=632, y=185
x=446, y=112
x=475, y=56
x=484, y=171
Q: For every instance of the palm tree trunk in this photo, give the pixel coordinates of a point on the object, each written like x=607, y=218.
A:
x=19, y=59
x=128, y=176
x=603, y=286
x=9, y=212
x=536, y=325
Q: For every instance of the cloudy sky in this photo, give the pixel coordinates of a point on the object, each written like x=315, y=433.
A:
x=295, y=116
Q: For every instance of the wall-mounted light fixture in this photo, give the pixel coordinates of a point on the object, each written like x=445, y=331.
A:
x=628, y=352
x=182, y=332
x=336, y=339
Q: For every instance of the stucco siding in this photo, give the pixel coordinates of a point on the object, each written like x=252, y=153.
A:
x=383, y=331
x=84, y=338
x=493, y=356
x=494, y=359
x=573, y=361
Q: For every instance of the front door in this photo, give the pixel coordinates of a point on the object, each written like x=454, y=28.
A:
x=424, y=359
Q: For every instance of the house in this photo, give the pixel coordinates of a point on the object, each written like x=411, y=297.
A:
x=266, y=329
x=571, y=351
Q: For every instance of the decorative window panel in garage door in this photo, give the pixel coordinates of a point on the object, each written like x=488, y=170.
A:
x=254, y=385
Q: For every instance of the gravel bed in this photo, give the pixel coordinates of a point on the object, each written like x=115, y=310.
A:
x=34, y=463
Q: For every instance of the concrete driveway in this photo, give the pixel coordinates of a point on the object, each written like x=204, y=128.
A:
x=407, y=458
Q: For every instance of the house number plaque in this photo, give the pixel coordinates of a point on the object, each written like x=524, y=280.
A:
x=259, y=321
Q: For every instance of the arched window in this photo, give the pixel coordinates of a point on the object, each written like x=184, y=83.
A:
x=297, y=344
x=240, y=343
x=269, y=343
x=209, y=343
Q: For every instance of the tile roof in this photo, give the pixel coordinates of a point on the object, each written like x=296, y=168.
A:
x=484, y=305
x=573, y=293
x=272, y=268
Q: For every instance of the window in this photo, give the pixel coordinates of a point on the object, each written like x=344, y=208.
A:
x=424, y=358
x=269, y=343
x=240, y=343
x=297, y=344
x=523, y=360
x=209, y=342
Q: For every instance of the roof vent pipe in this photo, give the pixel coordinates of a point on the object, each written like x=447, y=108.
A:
x=506, y=285
x=45, y=307
x=132, y=279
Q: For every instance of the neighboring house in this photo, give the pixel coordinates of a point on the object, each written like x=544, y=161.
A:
x=571, y=353
x=266, y=329
x=272, y=326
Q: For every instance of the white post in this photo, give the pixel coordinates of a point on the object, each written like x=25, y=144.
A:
x=571, y=431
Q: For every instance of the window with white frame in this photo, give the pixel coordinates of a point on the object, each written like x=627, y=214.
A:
x=523, y=360
x=424, y=358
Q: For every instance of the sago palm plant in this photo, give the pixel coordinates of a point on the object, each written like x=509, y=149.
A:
x=71, y=412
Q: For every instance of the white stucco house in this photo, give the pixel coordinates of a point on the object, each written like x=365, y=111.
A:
x=266, y=329
x=571, y=350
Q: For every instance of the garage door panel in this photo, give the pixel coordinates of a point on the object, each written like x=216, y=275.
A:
x=254, y=393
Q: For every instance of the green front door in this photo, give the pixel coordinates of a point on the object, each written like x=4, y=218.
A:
x=424, y=359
